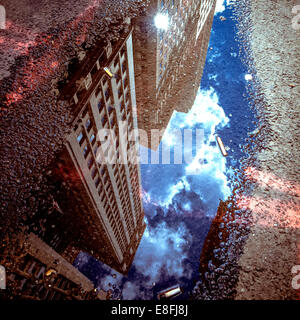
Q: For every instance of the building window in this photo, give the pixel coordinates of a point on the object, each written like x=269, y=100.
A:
x=94, y=172
x=90, y=163
x=102, y=195
x=88, y=125
x=110, y=109
x=107, y=93
x=96, y=150
x=118, y=76
x=125, y=82
x=112, y=121
x=97, y=182
x=85, y=151
x=123, y=67
x=80, y=138
x=92, y=139
x=103, y=120
x=100, y=105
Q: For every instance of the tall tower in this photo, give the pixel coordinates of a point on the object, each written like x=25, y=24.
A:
x=100, y=164
x=170, y=45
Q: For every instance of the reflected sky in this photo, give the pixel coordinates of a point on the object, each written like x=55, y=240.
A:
x=180, y=201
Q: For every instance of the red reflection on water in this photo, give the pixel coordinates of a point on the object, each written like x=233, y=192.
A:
x=273, y=212
x=54, y=64
x=38, y=71
x=266, y=179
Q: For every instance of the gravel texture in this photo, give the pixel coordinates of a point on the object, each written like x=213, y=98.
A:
x=259, y=227
x=40, y=42
x=272, y=248
x=258, y=236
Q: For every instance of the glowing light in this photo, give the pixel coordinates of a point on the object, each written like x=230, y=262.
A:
x=108, y=72
x=173, y=292
x=248, y=77
x=222, y=147
x=161, y=21
x=50, y=272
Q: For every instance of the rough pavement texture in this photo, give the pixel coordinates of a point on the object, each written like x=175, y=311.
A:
x=259, y=228
x=272, y=248
x=27, y=20
x=223, y=245
x=40, y=43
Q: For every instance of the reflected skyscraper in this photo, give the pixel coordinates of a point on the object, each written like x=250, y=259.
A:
x=170, y=45
x=96, y=179
x=103, y=188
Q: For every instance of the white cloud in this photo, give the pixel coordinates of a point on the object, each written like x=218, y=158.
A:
x=206, y=112
x=131, y=291
x=212, y=77
x=174, y=189
x=220, y=6
x=164, y=249
x=161, y=248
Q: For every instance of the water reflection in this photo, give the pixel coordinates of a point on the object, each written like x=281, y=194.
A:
x=146, y=77
x=175, y=59
x=161, y=21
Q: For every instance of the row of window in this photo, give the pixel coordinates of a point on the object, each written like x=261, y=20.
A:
x=87, y=140
x=103, y=184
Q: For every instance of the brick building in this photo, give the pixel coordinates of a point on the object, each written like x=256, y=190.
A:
x=169, y=61
x=99, y=164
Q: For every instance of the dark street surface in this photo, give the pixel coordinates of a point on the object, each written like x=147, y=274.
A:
x=229, y=230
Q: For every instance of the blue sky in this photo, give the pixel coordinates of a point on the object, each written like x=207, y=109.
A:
x=180, y=201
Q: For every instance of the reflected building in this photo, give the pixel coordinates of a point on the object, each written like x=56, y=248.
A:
x=170, y=46
x=99, y=165
x=220, y=253
x=34, y=271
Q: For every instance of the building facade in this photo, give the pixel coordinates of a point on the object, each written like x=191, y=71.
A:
x=34, y=271
x=100, y=161
x=169, y=61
